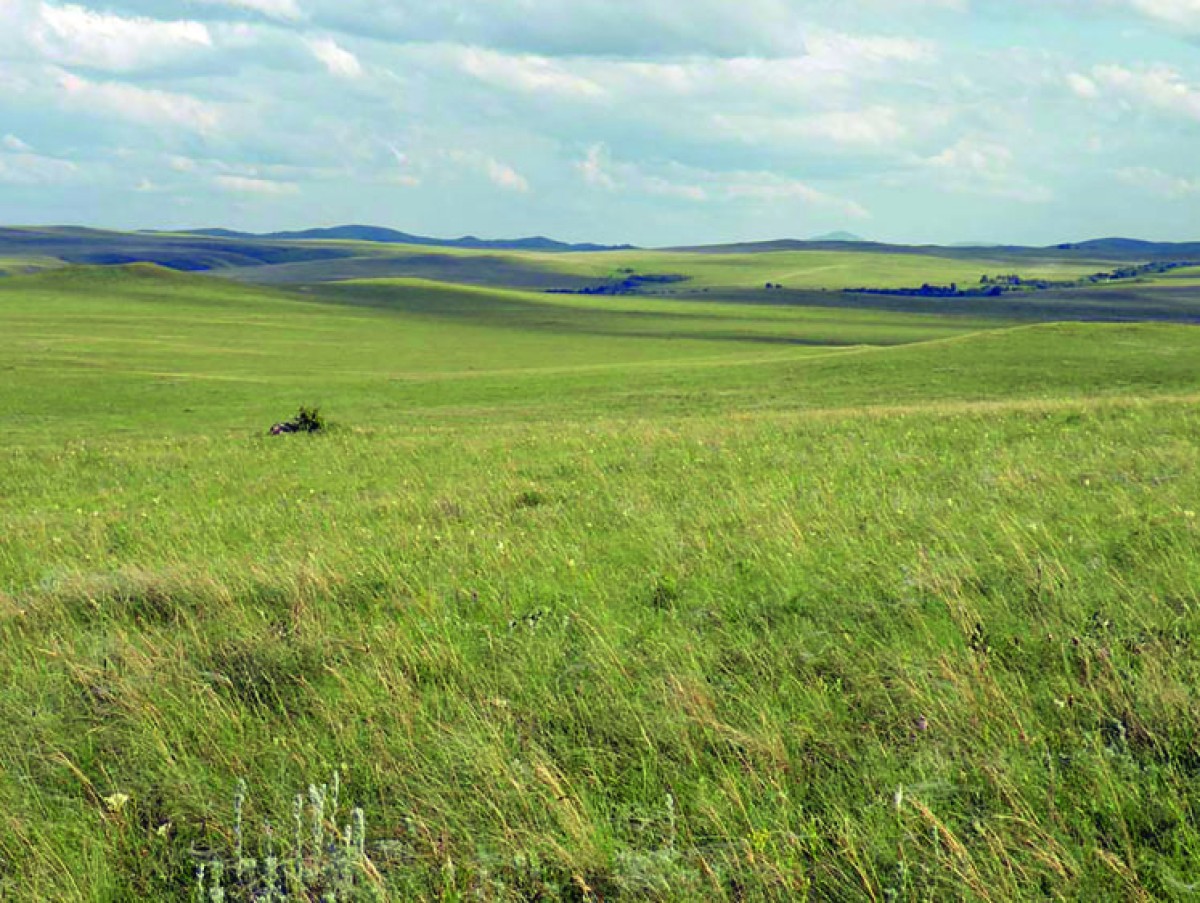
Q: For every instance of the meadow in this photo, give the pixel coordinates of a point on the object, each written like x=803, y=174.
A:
x=20, y=266
x=797, y=269
x=814, y=269
x=596, y=598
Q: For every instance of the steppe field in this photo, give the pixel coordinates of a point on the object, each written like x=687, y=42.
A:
x=698, y=592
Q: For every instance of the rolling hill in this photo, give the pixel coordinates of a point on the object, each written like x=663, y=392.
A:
x=668, y=599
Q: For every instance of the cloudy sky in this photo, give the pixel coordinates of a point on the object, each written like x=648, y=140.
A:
x=649, y=121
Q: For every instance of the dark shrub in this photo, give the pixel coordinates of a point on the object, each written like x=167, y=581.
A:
x=307, y=420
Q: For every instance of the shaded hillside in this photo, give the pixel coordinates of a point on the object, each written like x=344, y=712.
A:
x=191, y=253
x=474, y=269
x=383, y=235
x=1105, y=249
x=1110, y=304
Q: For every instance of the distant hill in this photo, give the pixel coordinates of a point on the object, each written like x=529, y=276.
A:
x=1103, y=249
x=316, y=255
x=838, y=236
x=383, y=235
x=176, y=251
x=1133, y=247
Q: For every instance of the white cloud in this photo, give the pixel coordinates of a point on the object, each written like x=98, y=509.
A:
x=1158, y=182
x=249, y=185
x=504, y=176
x=498, y=173
x=778, y=112
x=13, y=83
x=980, y=166
x=871, y=128
x=283, y=10
x=140, y=105
x=594, y=168
x=1157, y=87
x=858, y=51
x=13, y=143
x=664, y=187
x=1083, y=86
x=24, y=167
x=336, y=59
x=975, y=158
x=532, y=74
x=674, y=180
x=76, y=36
x=648, y=29
x=772, y=188
x=825, y=59
x=828, y=59
x=401, y=175
x=1185, y=13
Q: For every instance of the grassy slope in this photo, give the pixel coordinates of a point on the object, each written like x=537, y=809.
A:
x=1134, y=302
x=796, y=269
x=176, y=351
x=686, y=618
x=319, y=261
x=818, y=269
x=19, y=266
x=636, y=316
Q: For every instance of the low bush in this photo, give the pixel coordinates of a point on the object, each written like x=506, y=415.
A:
x=307, y=420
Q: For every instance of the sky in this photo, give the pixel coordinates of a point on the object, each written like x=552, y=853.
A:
x=654, y=122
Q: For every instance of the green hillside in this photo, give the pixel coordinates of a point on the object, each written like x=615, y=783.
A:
x=799, y=269
x=274, y=261
x=145, y=349
x=818, y=268
x=617, y=598
x=22, y=266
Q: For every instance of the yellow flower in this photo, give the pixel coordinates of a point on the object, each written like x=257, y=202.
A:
x=116, y=802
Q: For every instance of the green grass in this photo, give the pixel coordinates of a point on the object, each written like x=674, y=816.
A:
x=817, y=269
x=1187, y=273
x=1184, y=276
x=18, y=266
x=796, y=269
x=172, y=351
x=804, y=269
x=649, y=318
x=597, y=600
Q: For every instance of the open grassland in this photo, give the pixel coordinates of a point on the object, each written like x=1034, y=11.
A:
x=817, y=269
x=1189, y=276
x=803, y=269
x=629, y=602
x=18, y=266
x=638, y=317
x=178, y=351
